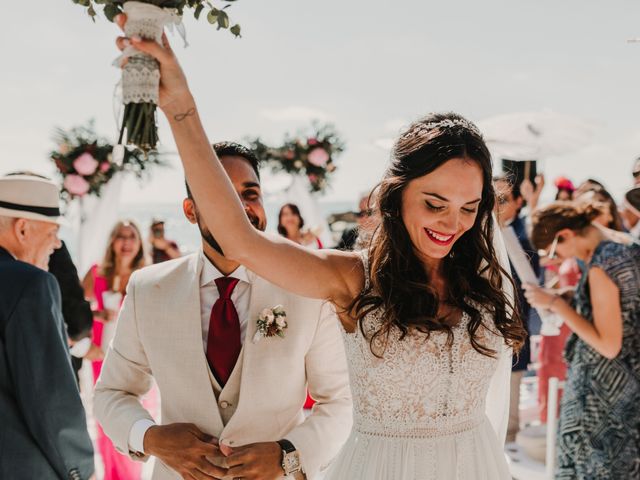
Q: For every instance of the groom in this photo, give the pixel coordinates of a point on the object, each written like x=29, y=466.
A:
x=226, y=392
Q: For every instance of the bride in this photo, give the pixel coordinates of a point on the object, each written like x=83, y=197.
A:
x=426, y=310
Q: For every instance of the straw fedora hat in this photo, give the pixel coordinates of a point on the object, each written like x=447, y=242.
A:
x=30, y=197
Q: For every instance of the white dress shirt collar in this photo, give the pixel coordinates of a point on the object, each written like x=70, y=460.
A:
x=210, y=272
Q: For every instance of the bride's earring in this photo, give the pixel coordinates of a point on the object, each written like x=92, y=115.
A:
x=451, y=254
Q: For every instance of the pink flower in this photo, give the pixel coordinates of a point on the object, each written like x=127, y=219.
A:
x=76, y=185
x=289, y=154
x=318, y=157
x=313, y=178
x=85, y=164
x=312, y=141
x=104, y=167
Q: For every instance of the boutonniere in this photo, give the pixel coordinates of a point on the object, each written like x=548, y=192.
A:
x=271, y=322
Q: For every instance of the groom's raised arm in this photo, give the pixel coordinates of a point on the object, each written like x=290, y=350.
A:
x=319, y=438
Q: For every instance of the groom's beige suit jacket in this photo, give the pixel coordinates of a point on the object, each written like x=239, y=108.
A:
x=159, y=336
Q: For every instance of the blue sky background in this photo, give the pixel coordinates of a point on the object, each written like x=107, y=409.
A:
x=368, y=66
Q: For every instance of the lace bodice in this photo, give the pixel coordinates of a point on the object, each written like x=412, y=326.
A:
x=420, y=387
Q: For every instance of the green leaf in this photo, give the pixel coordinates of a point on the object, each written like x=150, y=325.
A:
x=198, y=11
x=212, y=17
x=110, y=11
x=84, y=3
x=92, y=13
x=236, y=30
x=223, y=20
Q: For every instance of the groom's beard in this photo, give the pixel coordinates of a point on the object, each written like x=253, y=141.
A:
x=208, y=237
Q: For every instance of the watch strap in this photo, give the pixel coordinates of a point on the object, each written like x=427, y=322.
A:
x=286, y=445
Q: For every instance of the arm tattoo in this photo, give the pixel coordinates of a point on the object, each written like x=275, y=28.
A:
x=181, y=116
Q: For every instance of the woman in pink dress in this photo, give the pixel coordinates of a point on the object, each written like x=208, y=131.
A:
x=105, y=285
x=290, y=225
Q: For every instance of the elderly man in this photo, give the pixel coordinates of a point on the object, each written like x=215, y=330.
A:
x=44, y=431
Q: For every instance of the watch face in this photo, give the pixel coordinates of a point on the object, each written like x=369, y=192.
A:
x=291, y=462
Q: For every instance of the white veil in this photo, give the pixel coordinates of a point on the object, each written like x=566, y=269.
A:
x=498, y=395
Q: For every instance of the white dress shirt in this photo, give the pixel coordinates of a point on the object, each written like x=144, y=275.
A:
x=240, y=297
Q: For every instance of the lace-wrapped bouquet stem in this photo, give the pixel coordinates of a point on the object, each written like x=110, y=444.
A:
x=141, y=76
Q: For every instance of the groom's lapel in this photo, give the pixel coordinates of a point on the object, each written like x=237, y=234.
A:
x=202, y=375
x=240, y=378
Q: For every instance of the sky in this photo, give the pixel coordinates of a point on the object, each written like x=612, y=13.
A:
x=369, y=67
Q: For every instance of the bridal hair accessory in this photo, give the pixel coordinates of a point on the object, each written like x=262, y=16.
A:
x=271, y=322
x=421, y=128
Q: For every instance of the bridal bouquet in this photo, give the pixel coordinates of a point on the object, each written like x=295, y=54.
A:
x=86, y=163
x=310, y=154
x=141, y=75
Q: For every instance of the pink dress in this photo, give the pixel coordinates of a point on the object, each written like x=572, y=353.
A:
x=116, y=465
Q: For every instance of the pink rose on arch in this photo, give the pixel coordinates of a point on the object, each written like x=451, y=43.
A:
x=104, y=167
x=289, y=154
x=318, y=157
x=313, y=178
x=312, y=141
x=85, y=164
x=76, y=185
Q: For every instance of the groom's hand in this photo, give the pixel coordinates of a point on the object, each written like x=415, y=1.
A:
x=186, y=449
x=256, y=461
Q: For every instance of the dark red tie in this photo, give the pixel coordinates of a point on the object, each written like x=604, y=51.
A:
x=223, y=343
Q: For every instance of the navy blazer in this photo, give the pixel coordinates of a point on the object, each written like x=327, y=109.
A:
x=43, y=430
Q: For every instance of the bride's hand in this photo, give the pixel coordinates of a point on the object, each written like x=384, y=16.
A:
x=174, y=91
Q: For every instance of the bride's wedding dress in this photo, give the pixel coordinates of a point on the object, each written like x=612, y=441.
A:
x=420, y=410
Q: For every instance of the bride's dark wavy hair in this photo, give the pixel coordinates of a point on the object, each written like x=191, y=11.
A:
x=399, y=284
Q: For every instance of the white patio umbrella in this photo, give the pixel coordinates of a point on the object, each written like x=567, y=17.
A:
x=536, y=135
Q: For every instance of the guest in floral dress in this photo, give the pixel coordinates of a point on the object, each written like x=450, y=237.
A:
x=599, y=428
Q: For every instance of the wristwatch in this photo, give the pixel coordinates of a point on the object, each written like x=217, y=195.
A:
x=290, y=457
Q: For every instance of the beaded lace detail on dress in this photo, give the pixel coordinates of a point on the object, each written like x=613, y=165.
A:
x=419, y=387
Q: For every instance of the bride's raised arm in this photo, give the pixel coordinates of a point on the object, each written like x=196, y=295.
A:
x=327, y=274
